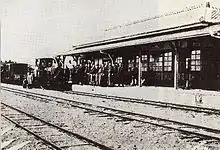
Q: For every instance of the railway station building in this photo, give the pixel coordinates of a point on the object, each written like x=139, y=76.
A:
x=176, y=49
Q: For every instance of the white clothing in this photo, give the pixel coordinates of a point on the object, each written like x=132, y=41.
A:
x=30, y=78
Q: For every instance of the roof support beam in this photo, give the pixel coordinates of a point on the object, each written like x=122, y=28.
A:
x=175, y=48
x=139, y=68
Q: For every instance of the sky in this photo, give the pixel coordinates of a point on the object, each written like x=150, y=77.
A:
x=35, y=28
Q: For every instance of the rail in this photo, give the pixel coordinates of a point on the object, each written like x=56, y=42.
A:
x=201, y=131
x=17, y=113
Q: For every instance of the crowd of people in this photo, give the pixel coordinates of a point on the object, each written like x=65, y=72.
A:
x=106, y=74
x=85, y=73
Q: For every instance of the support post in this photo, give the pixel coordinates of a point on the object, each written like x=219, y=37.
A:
x=174, y=46
x=139, y=69
x=176, y=70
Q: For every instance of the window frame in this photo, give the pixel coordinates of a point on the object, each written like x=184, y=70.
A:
x=195, y=60
x=168, y=56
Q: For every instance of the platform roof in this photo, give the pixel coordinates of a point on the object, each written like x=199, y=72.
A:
x=207, y=31
x=189, y=22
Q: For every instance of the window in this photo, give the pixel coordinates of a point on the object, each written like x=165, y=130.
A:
x=195, y=60
x=144, y=62
x=156, y=64
x=159, y=64
x=119, y=60
x=168, y=61
x=130, y=63
x=152, y=65
x=144, y=58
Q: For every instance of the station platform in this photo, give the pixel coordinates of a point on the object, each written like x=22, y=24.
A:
x=196, y=97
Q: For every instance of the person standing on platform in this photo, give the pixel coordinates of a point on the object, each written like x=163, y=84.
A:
x=49, y=71
x=135, y=76
x=129, y=76
x=115, y=74
x=76, y=76
x=70, y=67
x=96, y=74
x=67, y=74
x=121, y=73
x=73, y=74
x=30, y=79
x=53, y=67
x=42, y=74
x=81, y=72
x=91, y=73
x=86, y=74
x=109, y=74
x=59, y=73
x=36, y=68
x=104, y=78
x=99, y=74
x=91, y=82
x=112, y=75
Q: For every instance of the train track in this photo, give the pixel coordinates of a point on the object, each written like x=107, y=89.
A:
x=187, y=128
x=150, y=102
x=175, y=106
x=52, y=135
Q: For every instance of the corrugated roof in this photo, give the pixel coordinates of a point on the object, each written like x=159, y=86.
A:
x=185, y=17
x=171, y=20
x=168, y=37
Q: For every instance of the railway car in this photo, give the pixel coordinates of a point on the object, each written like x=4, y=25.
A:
x=49, y=74
x=14, y=73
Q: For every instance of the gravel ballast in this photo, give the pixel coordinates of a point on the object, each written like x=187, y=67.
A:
x=112, y=132
x=18, y=136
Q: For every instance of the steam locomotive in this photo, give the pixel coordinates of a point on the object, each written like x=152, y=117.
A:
x=49, y=74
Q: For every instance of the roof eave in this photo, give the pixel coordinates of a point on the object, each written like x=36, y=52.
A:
x=144, y=34
x=162, y=38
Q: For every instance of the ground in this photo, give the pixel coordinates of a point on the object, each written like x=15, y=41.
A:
x=113, y=131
